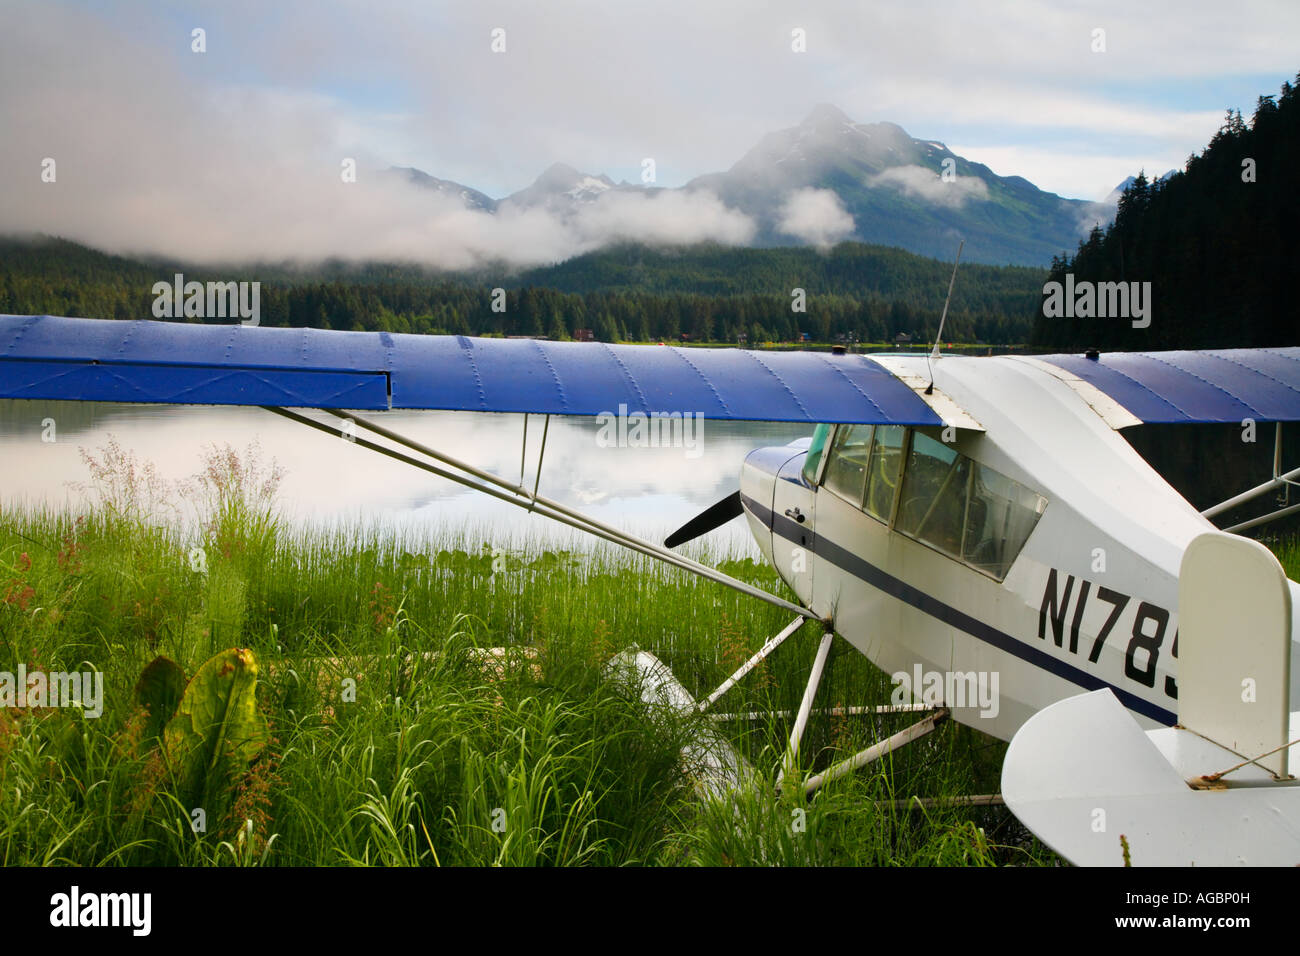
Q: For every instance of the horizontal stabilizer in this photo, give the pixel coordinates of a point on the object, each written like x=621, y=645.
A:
x=1081, y=773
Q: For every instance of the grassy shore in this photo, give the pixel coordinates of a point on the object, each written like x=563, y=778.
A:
x=381, y=734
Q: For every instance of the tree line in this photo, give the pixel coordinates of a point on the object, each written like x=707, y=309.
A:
x=632, y=293
x=1216, y=241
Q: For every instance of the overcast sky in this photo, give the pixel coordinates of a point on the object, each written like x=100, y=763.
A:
x=237, y=150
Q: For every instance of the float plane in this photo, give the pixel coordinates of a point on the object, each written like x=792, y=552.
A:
x=977, y=523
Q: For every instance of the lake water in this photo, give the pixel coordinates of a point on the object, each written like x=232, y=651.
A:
x=646, y=490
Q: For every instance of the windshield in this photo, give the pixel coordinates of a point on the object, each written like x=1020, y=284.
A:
x=815, y=453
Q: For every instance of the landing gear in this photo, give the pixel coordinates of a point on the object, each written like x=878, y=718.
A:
x=720, y=770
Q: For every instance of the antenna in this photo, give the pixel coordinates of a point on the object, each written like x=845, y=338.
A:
x=934, y=354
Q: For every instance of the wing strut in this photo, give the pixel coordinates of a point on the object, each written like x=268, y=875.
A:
x=537, y=483
x=1279, y=480
x=490, y=484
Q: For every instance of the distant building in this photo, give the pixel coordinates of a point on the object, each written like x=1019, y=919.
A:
x=584, y=335
x=902, y=338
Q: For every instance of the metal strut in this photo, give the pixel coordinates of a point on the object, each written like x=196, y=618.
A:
x=877, y=710
x=875, y=752
x=805, y=706
x=489, y=484
x=546, y=427
x=523, y=453
x=790, y=762
x=1278, y=480
x=750, y=664
x=1255, y=492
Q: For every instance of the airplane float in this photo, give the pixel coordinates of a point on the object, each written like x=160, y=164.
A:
x=976, y=518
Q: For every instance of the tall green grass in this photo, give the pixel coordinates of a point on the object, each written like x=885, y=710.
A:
x=395, y=740
x=1288, y=554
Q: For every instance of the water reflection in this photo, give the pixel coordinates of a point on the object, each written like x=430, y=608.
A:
x=646, y=490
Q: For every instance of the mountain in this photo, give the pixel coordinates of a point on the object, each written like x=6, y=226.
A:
x=562, y=187
x=894, y=188
x=1101, y=213
x=1112, y=199
x=830, y=179
x=469, y=198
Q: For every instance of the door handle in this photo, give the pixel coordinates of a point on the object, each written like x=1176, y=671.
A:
x=794, y=513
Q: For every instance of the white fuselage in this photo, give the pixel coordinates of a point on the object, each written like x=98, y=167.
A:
x=1090, y=601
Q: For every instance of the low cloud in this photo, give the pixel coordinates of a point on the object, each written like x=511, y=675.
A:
x=664, y=218
x=293, y=205
x=929, y=186
x=158, y=162
x=1100, y=214
x=816, y=216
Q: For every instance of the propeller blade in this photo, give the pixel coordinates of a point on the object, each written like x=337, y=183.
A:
x=704, y=522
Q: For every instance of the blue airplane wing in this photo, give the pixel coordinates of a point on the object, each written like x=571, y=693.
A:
x=50, y=357
x=1217, y=385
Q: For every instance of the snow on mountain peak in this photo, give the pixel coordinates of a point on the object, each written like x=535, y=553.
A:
x=589, y=187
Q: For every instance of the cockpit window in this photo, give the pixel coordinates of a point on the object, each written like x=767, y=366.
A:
x=935, y=483
x=882, y=470
x=945, y=500
x=846, y=468
x=1002, y=514
x=815, y=450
